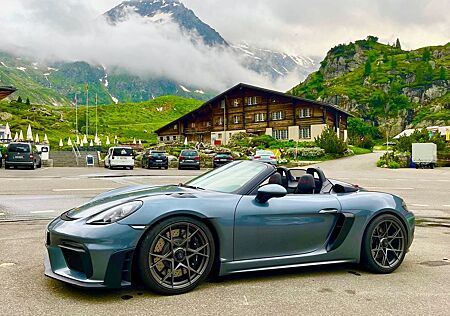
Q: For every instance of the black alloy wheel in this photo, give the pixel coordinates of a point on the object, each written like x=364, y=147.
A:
x=384, y=244
x=176, y=255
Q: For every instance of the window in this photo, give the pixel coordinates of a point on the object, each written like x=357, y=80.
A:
x=276, y=116
x=174, y=138
x=305, y=132
x=219, y=136
x=220, y=121
x=168, y=138
x=175, y=126
x=280, y=134
x=192, y=125
x=236, y=119
x=236, y=102
x=161, y=139
x=260, y=117
x=251, y=100
x=222, y=104
x=305, y=112
x=208, y=124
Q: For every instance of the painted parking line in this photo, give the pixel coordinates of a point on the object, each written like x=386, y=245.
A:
x=87, y=189
x=42, y=212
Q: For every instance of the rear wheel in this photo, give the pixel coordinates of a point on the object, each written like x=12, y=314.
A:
x=33, y=166
x=384, y=244
x=176, y=255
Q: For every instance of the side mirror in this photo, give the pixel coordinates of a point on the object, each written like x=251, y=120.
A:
x=265, y=193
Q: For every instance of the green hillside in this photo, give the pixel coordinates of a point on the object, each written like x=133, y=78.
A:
x=385, y=85
x=127, y=121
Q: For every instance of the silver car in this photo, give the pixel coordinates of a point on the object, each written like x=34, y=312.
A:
x=265, y=156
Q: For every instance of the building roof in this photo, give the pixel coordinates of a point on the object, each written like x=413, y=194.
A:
x=441, y=129
x=244, y=85
x=6, y=91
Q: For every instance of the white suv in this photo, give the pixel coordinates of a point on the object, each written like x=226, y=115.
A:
x=119, y=157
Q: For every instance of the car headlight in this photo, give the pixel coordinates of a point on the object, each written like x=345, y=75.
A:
x=115, y=213
x=404, y=206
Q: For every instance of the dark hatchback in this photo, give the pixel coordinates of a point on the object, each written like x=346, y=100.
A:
x=22, y=155
x=155, y=159
x=221, y=159
x=189, y=158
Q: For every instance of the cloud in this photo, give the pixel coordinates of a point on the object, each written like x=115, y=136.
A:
x=311, y=28
x=52, y=30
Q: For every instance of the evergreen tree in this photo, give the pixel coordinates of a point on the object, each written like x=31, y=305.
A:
x=428, y=73
x=426, y=55
x=27, y=102
x=367, y=68
x=393, y=62
x=19, y=99
x=397, y=44
x=442, y=73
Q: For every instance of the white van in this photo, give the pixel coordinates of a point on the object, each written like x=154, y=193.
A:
x=119, y=157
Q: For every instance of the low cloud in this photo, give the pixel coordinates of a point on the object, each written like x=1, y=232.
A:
x=52, y=30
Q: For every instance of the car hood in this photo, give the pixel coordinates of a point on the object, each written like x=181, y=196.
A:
x=115, y=197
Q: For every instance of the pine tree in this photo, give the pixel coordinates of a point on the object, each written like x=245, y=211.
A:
x=397, y=44
x=27, y=102
x=19, y=99
x=426, y=55
x=367, y=68
x=442, y=74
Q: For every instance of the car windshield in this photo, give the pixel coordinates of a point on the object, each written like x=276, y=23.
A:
x=189, y=153
x=264, y=153
x=158, y=153
x=123, y=152
x=229, y=178
x=19, y=148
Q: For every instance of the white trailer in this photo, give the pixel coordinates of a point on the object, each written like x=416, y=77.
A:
x=424, y=155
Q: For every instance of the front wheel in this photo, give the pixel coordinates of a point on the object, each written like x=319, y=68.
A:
x=176, y=255
x=384, y=244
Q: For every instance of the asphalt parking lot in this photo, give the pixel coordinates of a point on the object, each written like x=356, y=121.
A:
x=419, y=287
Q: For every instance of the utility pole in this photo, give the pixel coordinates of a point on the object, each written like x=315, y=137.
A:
x=87, y=110
x=76, y=112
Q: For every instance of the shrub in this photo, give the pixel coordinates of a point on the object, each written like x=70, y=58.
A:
x=330, y=142
x=381, y=163
x=394, y=165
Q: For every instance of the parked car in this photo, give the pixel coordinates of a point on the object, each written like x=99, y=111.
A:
x=237, y=218
x=189, y=158
x=155, y=159
x=265, y=156
x=22, y=155
x=221, y=159
x=120, y=157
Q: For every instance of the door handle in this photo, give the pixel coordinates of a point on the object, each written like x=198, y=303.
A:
x=328, y=211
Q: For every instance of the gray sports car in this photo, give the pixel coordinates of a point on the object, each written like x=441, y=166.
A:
x=244, y=216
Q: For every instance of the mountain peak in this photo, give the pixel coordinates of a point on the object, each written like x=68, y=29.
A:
x=166, y=10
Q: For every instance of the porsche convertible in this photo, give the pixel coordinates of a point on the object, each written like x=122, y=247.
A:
x=244, y=216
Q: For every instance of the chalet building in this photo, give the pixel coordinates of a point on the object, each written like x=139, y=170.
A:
x=6, y=91
x=250, y=109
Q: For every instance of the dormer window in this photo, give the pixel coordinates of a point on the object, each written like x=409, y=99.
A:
x=305, y=112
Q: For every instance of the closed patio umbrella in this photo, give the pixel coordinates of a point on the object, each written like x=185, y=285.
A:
x=29, y=133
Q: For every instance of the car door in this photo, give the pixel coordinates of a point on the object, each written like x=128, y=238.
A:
x=294, y=224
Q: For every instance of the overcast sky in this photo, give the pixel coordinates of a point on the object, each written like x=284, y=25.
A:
x=312, y=27
x=70, y=30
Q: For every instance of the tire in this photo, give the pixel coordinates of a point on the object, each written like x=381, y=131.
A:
x=33, y=166
x=166, y=167
x=177, y=253
x=6, y=166
x=131, y=168
x=179, y=168
x=40, y=164
x=198, y=168
x=385, y=236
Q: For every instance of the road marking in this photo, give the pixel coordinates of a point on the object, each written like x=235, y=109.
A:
x=42, y=212
x=420, y=205
x=90, y=189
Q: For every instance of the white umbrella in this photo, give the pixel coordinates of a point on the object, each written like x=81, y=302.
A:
x=37, y=139
x=85, y=141
x=134, y=141
x=29, y=133
x=116, y=141
x=91, y=143
x=78, y=140
x=16, y=137
x=185, y=141
x=140, y=143
x=96, y=140
x=107, y=141
x=45, y=138
x=61, y=142
x=69, y=142
x=7, y=131
x=20, y=136
x=81, y=144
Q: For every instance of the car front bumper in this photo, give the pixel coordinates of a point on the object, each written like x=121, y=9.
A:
x=91, y=256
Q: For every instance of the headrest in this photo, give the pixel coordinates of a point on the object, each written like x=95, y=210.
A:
x=306, y=184
x=275, y=179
